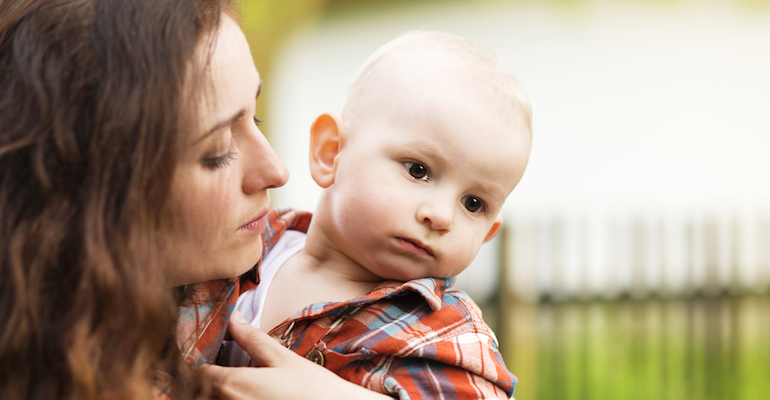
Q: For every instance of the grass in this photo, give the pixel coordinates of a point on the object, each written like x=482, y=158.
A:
x=694, y=349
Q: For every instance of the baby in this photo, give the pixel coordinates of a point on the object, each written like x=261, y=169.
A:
x=434, y=135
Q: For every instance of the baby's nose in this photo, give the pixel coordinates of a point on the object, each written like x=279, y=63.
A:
x=438, y=217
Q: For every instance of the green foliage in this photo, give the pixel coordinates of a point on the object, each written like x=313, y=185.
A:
x=697, y=349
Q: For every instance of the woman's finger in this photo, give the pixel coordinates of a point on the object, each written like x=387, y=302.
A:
x=213, y=374
x=217, y=381
x=242, y=383
x=263, y=350
x=245, y=383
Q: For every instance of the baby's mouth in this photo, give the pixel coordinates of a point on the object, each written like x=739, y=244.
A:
x=415, y=246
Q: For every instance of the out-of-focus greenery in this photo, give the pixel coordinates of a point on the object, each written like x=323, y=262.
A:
x=267, y=24
x=695, y=349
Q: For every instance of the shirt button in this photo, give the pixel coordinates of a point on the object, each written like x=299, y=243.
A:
x=316, y=356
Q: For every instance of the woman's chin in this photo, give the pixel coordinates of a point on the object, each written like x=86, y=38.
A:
x=243, y=264
x=242, y=270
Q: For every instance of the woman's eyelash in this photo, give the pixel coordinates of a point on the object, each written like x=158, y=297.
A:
x=224, y=160
x=218, y=162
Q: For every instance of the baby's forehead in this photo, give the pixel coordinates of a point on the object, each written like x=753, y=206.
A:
x=414, y=75
x=417, y=66
x=474, y=76
x=433, y=98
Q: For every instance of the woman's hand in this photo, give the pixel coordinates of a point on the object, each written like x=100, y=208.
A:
x=281, y=374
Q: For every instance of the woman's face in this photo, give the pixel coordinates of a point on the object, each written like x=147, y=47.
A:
x=219, y=192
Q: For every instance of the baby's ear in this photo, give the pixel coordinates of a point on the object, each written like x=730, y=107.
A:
x=325, y=134
x=495, y=228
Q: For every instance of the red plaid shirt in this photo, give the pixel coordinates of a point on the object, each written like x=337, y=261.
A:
x=412, y=340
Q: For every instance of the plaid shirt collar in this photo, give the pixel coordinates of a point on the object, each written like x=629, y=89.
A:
x=430, y=289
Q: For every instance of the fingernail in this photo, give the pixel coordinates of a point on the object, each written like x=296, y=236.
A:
x=237, y=317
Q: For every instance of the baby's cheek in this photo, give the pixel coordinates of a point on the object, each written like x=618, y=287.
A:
x=373, y=202
x=466, y=251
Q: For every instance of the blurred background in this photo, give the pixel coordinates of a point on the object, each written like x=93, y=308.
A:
x=635, y=259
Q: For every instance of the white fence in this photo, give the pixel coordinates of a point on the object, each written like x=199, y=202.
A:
x=581, y=257
x=584, y=257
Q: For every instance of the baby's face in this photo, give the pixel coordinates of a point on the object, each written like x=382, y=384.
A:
x=420, y=182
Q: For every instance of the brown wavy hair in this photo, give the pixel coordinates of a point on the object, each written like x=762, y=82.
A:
x=95, y=97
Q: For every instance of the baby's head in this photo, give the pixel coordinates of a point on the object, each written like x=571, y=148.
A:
x=434, y=135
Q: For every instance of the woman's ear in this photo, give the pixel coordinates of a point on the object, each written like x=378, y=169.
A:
x=325, y=134
x=495, y=228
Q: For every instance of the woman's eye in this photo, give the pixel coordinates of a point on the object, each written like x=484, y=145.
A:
x=257, y=121
x=218, y=162
x=473, y=204
x=417, y=170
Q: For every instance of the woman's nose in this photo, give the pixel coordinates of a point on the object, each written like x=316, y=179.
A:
x=438, y=216
x=263, y=168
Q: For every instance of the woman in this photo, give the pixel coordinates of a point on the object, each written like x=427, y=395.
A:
x=130, y=162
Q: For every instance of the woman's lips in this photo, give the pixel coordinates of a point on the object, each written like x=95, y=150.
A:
x=414, y=247
x=255, y=226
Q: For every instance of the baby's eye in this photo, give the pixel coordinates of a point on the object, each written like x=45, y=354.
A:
x=473, y=204
x=417, y=170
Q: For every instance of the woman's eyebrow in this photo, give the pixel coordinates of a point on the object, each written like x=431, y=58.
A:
x=223, y=124
x=230, y=121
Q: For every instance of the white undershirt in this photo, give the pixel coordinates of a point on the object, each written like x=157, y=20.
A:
x=251, y=303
